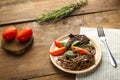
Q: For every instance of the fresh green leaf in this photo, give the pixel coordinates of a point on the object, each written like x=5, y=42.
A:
x=74, y=43
x=86, y=45
x=66, y=44
x=69, y=54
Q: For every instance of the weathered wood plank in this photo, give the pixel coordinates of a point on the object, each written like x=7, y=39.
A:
x=25, y=10
x=57, y=77
x=36, y=62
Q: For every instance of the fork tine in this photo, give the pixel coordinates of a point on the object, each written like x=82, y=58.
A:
x=100, y=31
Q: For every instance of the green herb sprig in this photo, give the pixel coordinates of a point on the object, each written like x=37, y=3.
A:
x=61, y=13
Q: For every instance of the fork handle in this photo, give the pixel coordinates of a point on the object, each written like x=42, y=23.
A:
x=112, y=59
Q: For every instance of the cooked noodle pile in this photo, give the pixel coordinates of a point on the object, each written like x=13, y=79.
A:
x=80, y=62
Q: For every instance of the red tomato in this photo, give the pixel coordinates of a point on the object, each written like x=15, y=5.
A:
x=58, y=44
x=58, y=52
x=25, y=34
x=9, y=33
x=81, y=50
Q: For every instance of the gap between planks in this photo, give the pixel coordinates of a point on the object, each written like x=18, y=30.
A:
x=32, y=20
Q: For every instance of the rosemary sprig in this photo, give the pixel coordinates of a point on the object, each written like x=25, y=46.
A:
x=63, y=12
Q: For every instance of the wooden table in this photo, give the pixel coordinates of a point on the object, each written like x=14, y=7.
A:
x=36, y=64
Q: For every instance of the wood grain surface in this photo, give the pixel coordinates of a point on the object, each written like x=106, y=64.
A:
x=12, y=11
x=36, y=64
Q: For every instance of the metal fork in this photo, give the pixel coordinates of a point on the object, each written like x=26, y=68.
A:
x=102, y=37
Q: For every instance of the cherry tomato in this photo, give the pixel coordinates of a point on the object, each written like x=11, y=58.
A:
x=58, y=44
x=25, y=34
x=81, y=50
x=59, y=51
x=9, y=33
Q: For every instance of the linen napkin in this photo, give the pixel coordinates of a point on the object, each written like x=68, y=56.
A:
x=105, y=71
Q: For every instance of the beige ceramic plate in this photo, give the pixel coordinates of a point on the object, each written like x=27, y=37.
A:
x=98, y=56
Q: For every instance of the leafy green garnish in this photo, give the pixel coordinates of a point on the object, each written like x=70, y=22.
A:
x=75, y=43
x=87, y=45
x=69, y=54
x=66, y=44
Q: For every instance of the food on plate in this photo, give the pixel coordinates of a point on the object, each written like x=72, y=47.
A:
x=79, y=54
x=24, y=35
x=9, y=33
x=70, y=54
x=80, y=50
x=17, y=43
x=58, y=51
x=58, y=44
